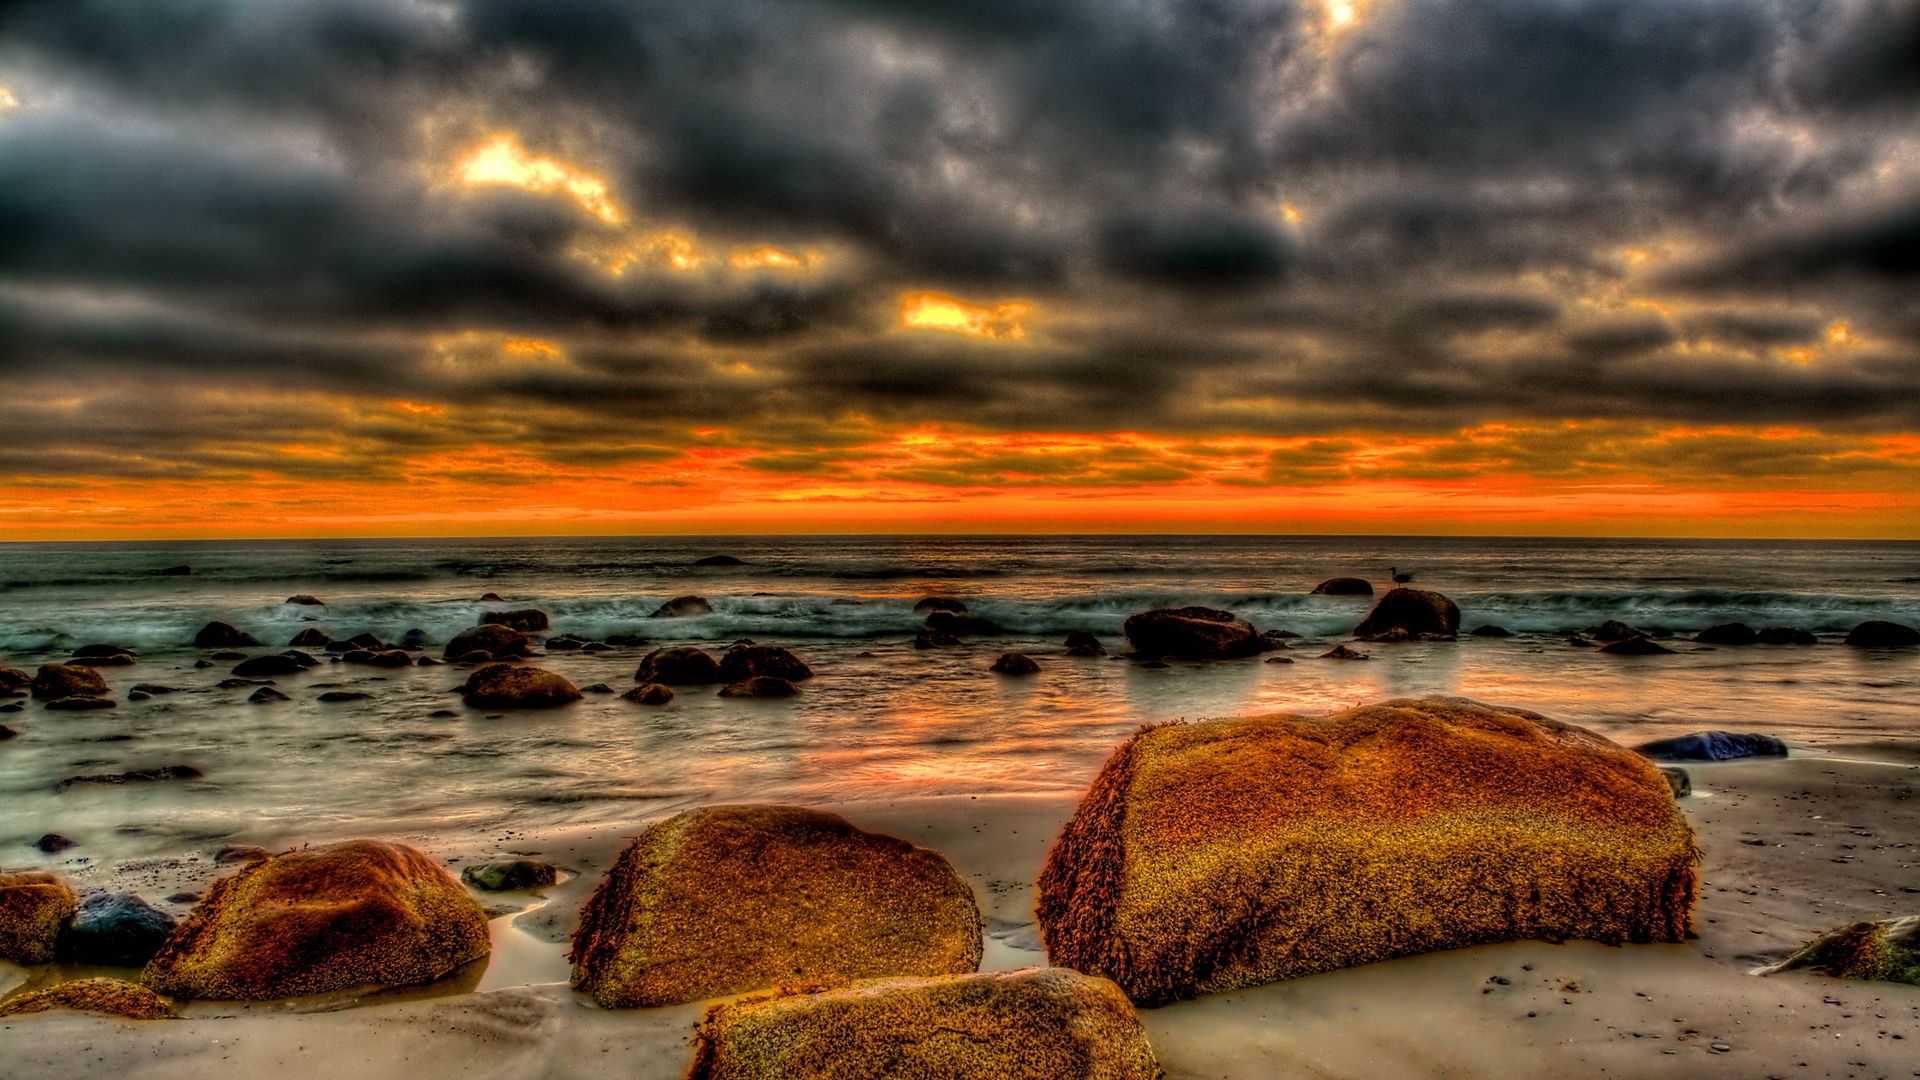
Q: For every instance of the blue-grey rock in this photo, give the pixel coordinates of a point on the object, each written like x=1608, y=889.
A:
x=1714, y=746
x=118, y=929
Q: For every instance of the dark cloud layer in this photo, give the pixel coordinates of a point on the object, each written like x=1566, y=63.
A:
x=1226, y=215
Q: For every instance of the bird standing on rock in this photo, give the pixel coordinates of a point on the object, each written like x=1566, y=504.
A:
x=1398, y=577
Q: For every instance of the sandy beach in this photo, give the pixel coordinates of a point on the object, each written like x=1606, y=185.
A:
x=1791, y=848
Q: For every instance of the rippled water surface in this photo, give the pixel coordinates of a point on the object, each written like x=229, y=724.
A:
x=880, y=718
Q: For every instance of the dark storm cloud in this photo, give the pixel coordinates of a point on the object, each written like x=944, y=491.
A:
x=259, y=192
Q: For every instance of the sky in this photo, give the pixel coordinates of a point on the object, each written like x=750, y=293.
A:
x=489, y=267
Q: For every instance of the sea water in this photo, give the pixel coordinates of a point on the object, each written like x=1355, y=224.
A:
x=880, y=719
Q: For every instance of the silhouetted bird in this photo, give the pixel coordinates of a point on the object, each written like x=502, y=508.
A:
x=1398, y=577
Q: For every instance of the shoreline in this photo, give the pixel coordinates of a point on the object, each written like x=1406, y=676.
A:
x=1793, y=848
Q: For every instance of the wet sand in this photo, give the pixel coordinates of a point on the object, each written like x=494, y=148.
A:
x=1792, y=848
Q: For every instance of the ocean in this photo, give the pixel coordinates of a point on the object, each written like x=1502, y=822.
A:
x=880, y=719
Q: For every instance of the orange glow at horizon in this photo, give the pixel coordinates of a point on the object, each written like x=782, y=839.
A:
x=502, y=160
x=1496, y=479
x=934, y=311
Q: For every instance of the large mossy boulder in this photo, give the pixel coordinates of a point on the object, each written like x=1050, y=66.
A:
x=1416, y=613
x=509, y=686
x=498, y=642
x=728, y=899
x=1015, y=1025
x=35, y=907
x=1191, y=633
x=55, y=681
x=1223, y=854
x=680, y=665
x=1886, y=950
x=747, y=661
x=331, y=917
x=104, y=997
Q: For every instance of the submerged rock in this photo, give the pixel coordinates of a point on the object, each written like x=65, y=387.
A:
x=498, y=642
x=182, y=570
x=1787, y=635
x=324, y=918
x=267, y=695
x=681, y=607
x=759, y=686
x=1223, y=854
x=940, y=603
x=626, y=641
x=335, y=697
x=1886, y=950
x=729, y=899
x=1613, y=630
x=310, y=638
x=80, y=704
x=152, y=689
x=116, y=929
x=1733, y=633
x=34, y=909
x=1082, y=643
x=648, y=694
x=103, y=997
x=219, y=635
x=1416, y=612
x=1636, y=646
x=1490, y=630
x=104, y=656
x=1344, y=586
x=524, y=620
x=133, y=776
x=305, y=600
x=53, y=843
x=948, y=622
x=1015, y=663
x=1040, y=1022
x=1881, y=634
x=934, y=639
x=509, y=875
x=681, y=665
x=747, y=661
x=1713, y=746
x=380, y=658
x=54, y=681
x=1191, y=633
x=269, y=666
x=508, y=686
x=1342, y=652
x=719, y=560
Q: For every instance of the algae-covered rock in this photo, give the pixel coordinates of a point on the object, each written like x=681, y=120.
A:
x=107, y=997
x=507, y=875
x=1218, y=855
x=1018, y=1025
x=34, y=908
x=324, y=918
x=56, y=681
x=507, y=686
x=729, y=899
x=1887, y=950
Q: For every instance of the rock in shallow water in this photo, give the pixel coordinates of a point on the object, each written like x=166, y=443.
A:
x=507, y=875
x=117, y=929
x=1713, y=746
x=133, y=776
x=498, y=642
x=507, y=686
x=648, y=694
x=1191, y=633
x=729, y=899
x=330, y=917
x=80, y=704
x=681, y=607
x=104, y=997
x=1881, y=634
x=55, y=681
x=681, y=665
x=1223, y=854
x=219, y=635
x=759, y=686
x=1417, y=613
x=1636, y=646
x=1014, y=663
x=1015, y=1025
x=746, y=661
x=1733, y=633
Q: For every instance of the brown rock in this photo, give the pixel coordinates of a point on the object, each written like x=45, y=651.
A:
x=524, y=620
x=681, y=607
x=1223, y=854
x=1421, y=614
x=219, y=635
x=735, y=898
x=1006, y=1025
x=34, y=908
x=681, y=665
x=940, y=603
x=759, y=686
x=508, y=686
x=1191, y=633
x=746, y=661
x=319, y=919
x=1015, y=663
x=105, y=997
x=55, y=681
x=498, y=642
x=648, y=694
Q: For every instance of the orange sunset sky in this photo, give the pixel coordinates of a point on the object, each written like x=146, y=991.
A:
x=491, y=267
